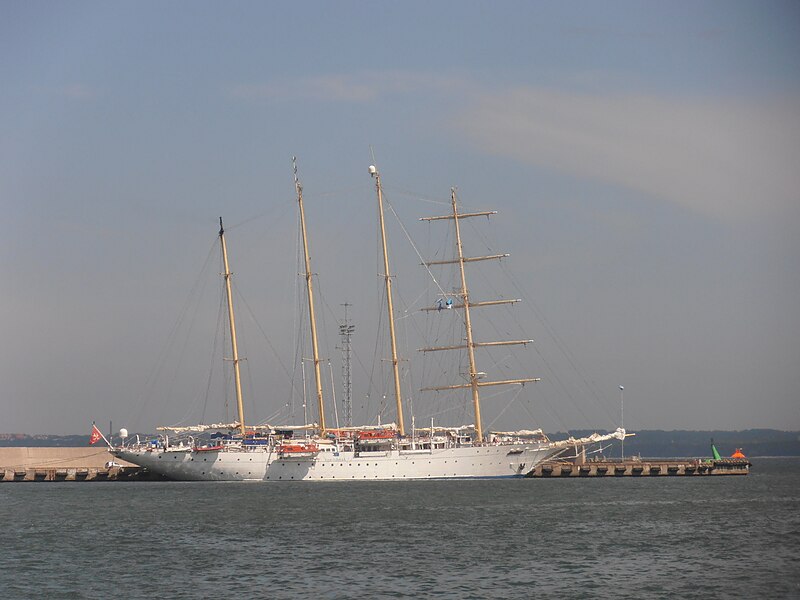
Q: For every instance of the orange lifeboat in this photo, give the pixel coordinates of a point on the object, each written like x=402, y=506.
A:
x=377, y=434
x=298, y=450
x=738, y=454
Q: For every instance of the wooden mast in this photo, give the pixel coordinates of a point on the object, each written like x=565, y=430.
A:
x=234, y=347
x=473, y=372
x=388, y=279
x=312, y=316
x=474, y=378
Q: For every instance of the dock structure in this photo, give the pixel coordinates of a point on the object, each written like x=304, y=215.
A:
x=641, y=467
x=65, y=464
x=96, y=464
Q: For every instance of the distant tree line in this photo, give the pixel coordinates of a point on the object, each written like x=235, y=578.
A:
x=648, y=443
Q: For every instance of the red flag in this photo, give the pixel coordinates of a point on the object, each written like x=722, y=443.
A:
x=96, y=435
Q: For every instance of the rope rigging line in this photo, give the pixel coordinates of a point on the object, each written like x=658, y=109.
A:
x=505, y=408
x=214, y=346
x=413, y=245
x=564, y=350
x=574, y=403
x=244, y=302
x=144, y=398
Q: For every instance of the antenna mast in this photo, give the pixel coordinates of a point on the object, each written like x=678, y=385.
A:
x=346, y=331
x=388, y=279
x=234, y=347
x=312, y=317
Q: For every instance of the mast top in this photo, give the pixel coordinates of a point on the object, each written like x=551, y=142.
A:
x=221, y=229
x=297, y=185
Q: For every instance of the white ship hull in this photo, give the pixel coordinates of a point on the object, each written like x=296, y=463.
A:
x=264, y=464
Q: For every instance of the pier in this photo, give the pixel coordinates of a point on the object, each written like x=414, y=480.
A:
x=642, y=467
x=96, y=464
x=66, y=464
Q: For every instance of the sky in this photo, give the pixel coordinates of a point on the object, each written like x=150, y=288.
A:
x=642, y=157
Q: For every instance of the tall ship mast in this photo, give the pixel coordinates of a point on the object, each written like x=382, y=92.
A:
x=475, y=382
x=232, y=322
x=389, y=302
x=310, y=294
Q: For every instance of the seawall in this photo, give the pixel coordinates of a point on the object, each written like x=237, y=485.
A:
x=64, y=464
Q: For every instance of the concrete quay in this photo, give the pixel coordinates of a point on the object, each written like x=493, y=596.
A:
x=641, y=467
x=65, y=464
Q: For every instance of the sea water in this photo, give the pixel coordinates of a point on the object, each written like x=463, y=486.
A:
x=649, y=537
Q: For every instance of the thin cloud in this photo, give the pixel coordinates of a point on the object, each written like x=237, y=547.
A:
x=77, y=91
x=351, y=88
x=729, y=160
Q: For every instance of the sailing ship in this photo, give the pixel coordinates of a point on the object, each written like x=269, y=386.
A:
x=239, y=451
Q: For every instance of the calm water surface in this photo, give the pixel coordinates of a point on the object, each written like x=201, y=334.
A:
x=681, y=537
